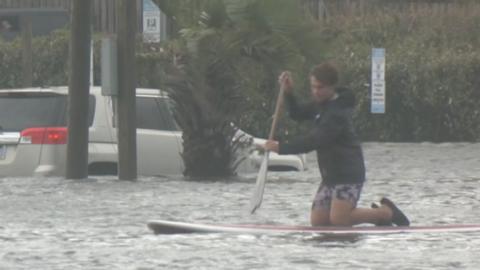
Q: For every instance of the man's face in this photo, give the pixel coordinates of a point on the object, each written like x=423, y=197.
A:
x=320, y=91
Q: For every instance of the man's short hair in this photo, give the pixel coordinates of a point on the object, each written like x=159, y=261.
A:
x=325, y=73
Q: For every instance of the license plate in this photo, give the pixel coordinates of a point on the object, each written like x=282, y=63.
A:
x=3, y=152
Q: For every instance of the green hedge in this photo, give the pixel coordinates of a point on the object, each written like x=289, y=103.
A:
x=50, y=65
x=432, y=72
x=50, y=61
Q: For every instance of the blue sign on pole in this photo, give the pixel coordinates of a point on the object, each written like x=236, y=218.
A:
x=378, y=81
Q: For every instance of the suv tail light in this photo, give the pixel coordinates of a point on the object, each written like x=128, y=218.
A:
x=44, y=135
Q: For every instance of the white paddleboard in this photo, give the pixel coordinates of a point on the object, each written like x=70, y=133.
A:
x=172, y=227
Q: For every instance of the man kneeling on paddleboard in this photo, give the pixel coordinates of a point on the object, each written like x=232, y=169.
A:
x=339, y=153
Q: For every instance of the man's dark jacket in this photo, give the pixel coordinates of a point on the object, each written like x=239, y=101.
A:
x=339, y=152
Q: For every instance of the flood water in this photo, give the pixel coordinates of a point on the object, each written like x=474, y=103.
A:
x=52, y=223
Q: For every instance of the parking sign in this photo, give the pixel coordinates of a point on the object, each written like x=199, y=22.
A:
x=151, y=22
x=378, y=81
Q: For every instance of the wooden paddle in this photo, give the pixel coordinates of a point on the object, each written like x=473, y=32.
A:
x=257, y=197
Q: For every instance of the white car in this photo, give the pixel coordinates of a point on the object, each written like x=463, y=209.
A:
x=33, y=135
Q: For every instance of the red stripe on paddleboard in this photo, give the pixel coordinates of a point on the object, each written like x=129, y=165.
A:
x=376, y=228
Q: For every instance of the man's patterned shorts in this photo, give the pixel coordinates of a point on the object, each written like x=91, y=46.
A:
x=325, y=194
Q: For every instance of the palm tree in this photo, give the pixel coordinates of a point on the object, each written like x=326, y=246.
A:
x=226, y=70
x=181, y=13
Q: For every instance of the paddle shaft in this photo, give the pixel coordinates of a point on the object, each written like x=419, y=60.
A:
x=276, y=114
x=256, y=199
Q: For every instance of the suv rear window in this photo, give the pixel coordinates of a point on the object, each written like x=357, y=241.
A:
x=19, y=111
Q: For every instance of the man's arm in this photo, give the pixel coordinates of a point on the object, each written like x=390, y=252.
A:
x=321, y=135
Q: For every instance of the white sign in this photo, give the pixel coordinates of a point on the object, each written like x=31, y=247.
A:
x=151, y=22
x=378, y=81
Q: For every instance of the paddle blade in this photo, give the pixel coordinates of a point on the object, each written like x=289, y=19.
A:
x=257, y=197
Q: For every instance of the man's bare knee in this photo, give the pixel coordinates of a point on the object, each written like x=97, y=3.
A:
x=319, y=218
x=340, y=214
x=340, y=220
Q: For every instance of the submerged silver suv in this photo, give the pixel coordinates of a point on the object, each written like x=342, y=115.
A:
x=33, y=135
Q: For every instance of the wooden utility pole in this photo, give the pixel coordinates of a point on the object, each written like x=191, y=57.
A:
x=79, y=88
x=127, y=126
x=27, y=62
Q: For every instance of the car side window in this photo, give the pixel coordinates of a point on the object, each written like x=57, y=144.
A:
x=151, y=114
x=168, y=120
x=91, y=110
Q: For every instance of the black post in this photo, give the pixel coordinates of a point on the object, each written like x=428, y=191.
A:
x=78, y=98
x=127, y=135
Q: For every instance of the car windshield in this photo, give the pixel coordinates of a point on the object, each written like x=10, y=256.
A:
x=19, y=111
